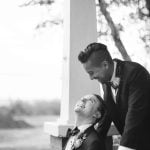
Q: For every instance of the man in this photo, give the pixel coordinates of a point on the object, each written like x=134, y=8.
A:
x=88, y=111
x=128, y=100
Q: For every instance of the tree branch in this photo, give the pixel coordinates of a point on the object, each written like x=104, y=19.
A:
x=37, y=2
x=114, y=31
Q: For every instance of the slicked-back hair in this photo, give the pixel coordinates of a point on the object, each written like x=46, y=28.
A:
x=97, y=52
x=101, y=108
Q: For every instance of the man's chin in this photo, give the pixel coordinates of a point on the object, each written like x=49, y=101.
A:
x=78, y=109
x=99, y=80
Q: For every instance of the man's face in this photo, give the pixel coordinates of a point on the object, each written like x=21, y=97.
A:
x=87, y=106
x=97, y=72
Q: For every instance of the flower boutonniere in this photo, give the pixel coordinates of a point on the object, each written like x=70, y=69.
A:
x=116, y=82
x=78, y=142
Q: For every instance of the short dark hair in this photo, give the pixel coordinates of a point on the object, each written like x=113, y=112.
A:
x=101, y=108
x=99, y=51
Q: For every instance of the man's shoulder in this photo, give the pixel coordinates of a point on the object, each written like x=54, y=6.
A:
x=93, y=140
x=119, y=61
x=93, y=135
x=131, y=65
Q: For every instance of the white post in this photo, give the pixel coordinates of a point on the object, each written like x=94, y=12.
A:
x=79, y=31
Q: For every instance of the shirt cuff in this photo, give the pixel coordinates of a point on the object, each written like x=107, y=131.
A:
x=125, y=148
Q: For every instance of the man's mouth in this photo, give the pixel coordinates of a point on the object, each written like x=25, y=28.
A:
x=81, y=106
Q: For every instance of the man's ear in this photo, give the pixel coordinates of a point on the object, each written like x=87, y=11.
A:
x=105, y=64
x=97, y=115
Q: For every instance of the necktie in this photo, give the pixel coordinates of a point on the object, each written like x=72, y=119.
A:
x=73, y=132
x=108, y=94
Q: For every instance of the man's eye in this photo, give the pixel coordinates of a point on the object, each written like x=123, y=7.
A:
x=83, y=100
x=91, y=101
x=90, y=73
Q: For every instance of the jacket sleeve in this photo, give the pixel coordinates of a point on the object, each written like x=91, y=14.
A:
x=104, y=125
x=138, y=107
x=105, y=122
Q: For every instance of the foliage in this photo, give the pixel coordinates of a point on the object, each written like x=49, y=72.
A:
x=136, y=14
x=119, y=22
x=114, y=18
x=37, y=2
x=48, y=5
x=41, y=107
x=21, y=108
x=7, y=120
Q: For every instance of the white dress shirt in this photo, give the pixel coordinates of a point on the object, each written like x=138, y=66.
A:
x=114, y=92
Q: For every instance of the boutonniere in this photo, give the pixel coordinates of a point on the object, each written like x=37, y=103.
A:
x=78, y=142
x=116, y=82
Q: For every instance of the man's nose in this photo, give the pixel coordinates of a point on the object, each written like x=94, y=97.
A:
x=92, y=77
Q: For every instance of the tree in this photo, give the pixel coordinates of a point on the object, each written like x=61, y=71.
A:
x=7, y=120
x=107, y=25
x=37, y=2
x=47, y=4
x=113, y=29
x=148, y=6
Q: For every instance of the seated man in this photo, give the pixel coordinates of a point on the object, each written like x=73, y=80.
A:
x=88, y=111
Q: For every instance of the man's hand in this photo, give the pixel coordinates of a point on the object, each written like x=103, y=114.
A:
x=125, y=148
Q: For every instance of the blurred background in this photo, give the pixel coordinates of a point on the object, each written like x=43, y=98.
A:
x=30, y=71
x=31, y=47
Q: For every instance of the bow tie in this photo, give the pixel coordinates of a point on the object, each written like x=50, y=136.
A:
x=73, y=132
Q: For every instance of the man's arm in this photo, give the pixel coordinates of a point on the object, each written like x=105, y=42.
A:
x=125, y=148
x=104, y=125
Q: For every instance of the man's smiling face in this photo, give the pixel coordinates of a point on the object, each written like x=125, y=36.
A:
x=99, y=73
x=87, y=106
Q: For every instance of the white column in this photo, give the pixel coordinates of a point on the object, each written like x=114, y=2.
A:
x=79, y=31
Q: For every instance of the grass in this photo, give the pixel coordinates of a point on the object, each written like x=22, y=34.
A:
x=27, y=139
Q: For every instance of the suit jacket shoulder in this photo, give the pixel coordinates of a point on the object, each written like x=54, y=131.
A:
x=93, y=141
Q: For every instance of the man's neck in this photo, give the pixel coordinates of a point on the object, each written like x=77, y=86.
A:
x=82, y=121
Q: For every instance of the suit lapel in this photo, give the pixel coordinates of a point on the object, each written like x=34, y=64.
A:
x=86, y=133
x=119, y=67
x=119, y=73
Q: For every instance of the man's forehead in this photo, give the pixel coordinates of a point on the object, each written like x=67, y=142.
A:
x=87, y=65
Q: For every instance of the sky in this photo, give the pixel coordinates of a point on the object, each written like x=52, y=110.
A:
x=30, y=59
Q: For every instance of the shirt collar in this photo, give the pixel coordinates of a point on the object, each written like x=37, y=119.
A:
x=114, y=72
x=82, y=128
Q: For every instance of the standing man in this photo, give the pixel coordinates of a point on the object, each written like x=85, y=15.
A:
x=88, y=110
x=128, y=98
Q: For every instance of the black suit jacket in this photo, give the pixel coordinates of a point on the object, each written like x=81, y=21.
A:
x=131, y=112
x=93, y=141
